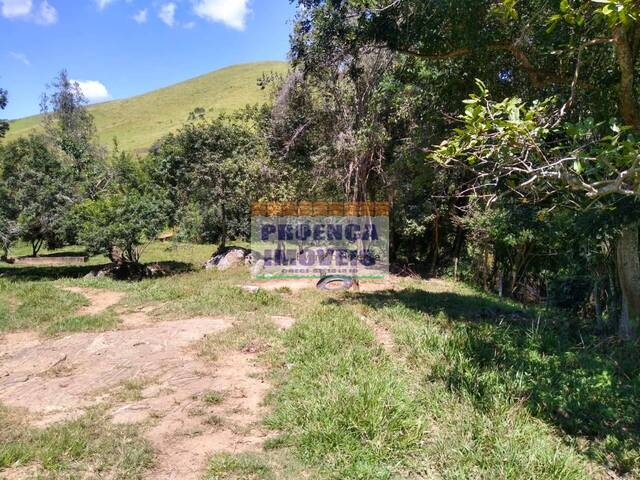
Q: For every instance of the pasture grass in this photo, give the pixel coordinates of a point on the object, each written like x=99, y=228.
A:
x=139, y=121
x=88, y=447
x=473, y=386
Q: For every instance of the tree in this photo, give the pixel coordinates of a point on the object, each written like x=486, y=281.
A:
x=576, y=60
x=67, y=122
x=4, y=125
x=120, y=225
x=214, y=164
x=510, y=147
x=37, y=185
x=9, y=230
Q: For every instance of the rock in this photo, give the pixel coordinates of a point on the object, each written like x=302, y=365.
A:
x=257, y=268
x=226, y=258
x=231, y=259
x=250, y=288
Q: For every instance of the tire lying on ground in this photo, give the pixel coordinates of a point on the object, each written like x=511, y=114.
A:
x=333, y=283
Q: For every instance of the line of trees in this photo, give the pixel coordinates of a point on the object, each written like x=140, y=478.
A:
x=504, y=135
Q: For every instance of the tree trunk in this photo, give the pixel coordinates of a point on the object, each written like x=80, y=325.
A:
x=35, y=247
x=223, y=241
x=485, y=269
x=628, y=268
x=597, y=304
x=627, y=100
x=436, y=244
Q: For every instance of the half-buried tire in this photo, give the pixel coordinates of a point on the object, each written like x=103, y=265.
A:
x=335, y=283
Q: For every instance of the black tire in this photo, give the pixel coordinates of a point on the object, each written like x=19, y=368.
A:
x=335, y=283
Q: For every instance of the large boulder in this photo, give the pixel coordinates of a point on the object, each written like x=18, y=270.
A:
x=226, y=258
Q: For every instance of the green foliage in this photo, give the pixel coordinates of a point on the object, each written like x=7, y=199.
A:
x=119, y=224
x=35, y=183
x=517, y=147
x=66, y=121
x=4, y=125
x=212, y=166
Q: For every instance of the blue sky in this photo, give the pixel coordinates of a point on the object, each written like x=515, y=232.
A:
x=122, y=48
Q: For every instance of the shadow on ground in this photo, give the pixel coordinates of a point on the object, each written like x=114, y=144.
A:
x=585, y=384
x=35, y=273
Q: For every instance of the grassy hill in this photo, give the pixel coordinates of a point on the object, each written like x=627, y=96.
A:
x=138, y=121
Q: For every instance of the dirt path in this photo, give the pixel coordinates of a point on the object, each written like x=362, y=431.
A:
x=148, y=373
x=99, y=299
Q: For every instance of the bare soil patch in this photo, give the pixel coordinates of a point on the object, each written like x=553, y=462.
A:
x=93, y=364
x=100, y=299
x=188, y=429
x=283, y=322
x=148, y=372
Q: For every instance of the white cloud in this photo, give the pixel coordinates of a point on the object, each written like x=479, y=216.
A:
x=232, y=13
x=102, y=4
x=20, y=57
x=43, y=14
x=167, y=14
x=141, y=16
x=189, y=25
x=16, y=8
x=93, y=90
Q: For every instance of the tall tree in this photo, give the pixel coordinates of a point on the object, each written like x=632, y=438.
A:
x=584, y=54
x=67, y=122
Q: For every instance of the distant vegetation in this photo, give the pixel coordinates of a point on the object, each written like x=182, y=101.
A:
x=139, y=121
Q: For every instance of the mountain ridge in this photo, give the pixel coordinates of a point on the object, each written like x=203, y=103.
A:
x=138, y=121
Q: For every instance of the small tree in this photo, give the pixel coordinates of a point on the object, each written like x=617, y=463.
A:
x=121, y=225
x=37, y=191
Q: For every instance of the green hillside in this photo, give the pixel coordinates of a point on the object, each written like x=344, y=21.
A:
x=138, y=121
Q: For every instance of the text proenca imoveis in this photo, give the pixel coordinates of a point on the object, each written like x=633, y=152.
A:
x=317, y=239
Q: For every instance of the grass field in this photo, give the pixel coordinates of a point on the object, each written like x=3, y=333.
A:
x=469, y=386
x=139, y=121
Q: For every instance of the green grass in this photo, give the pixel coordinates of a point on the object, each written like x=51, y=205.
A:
x=84, y=323
x=238, y=467
x=474, y=387
x=137, y=122
x=89, y=447
x=344, y=404
x=213, y=397
x=38, y=305
x=541, y=368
